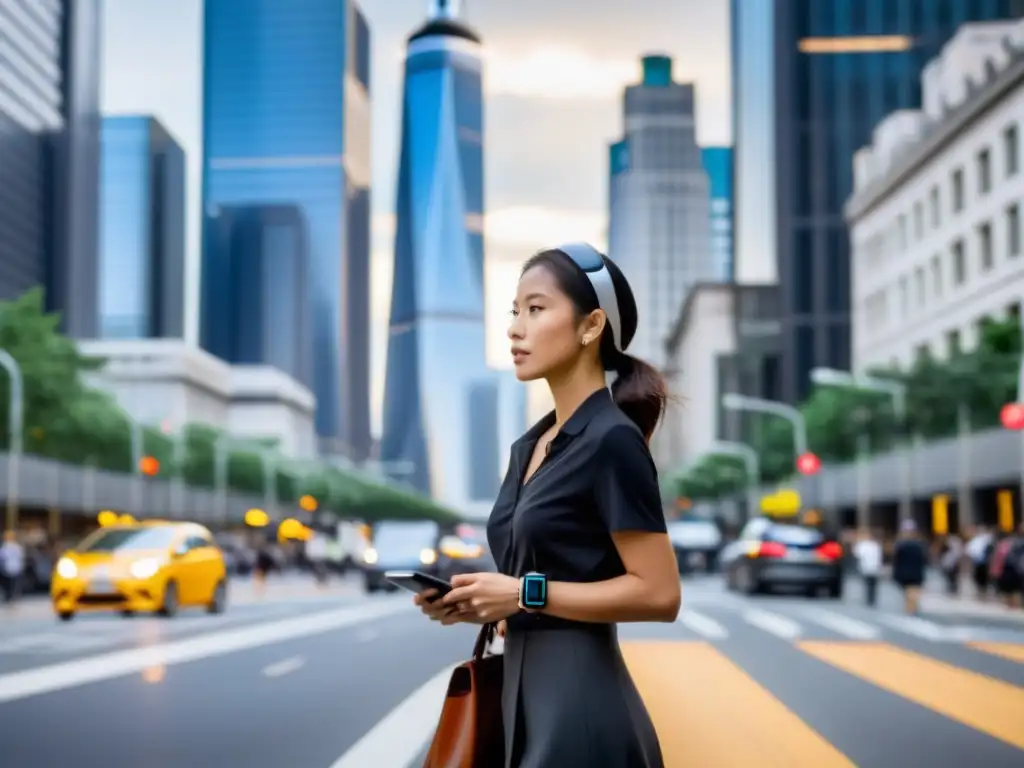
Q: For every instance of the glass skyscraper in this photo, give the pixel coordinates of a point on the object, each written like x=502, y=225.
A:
x=49, y=155
x=718, y=164
x=142, y=230
x=436, y=347
x=810, y=82
x=287, y=152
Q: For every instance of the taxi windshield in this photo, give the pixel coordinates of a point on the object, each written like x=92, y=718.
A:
x=128, y=539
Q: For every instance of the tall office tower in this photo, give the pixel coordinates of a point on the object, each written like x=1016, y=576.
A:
x=49, y=155
x=718, y=164
x=810, y=82
x=659, y=221
x=436, y=344
x=286, y=160
x=142, y=230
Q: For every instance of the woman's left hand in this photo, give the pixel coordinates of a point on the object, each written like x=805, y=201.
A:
x=487, y=596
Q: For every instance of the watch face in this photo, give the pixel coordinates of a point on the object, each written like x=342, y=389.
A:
x=535, y=591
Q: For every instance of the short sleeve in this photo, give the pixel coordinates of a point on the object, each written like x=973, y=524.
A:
x=626, y=483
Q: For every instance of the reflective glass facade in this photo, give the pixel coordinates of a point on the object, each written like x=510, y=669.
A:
x=142, y=230
x=819, y=99
x=49, y=154
x=286, y=125
x=718, y=164
x=436, y=346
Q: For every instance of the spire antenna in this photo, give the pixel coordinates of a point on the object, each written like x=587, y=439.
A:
x=444, y=9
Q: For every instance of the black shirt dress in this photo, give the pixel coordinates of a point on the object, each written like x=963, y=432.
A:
x=568, y=699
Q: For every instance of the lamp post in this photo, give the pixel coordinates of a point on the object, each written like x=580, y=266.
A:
x=15, y=418
x=751, y=464
x=829, y=377
x=221, y=451
x=135, y=430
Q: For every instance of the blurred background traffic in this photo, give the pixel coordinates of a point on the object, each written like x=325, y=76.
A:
x=256, y=258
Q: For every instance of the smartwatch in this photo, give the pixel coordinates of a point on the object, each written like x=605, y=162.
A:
x=533, y=592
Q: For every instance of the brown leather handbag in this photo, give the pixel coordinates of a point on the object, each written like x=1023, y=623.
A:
x=470, y=733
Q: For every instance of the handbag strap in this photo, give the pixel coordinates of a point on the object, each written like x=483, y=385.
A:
x=483, y=640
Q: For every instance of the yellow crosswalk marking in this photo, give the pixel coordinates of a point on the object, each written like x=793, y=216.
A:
x=983, y=703
x=697, y=696
x=1011, y=651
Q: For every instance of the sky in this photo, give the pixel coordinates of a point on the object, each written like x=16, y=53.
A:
x=553, y=77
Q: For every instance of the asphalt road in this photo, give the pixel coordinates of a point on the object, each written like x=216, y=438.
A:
x=343, y=681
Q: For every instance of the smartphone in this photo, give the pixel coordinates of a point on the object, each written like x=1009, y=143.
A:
x=417, y=582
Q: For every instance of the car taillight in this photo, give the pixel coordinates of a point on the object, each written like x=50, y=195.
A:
x=771, y=549
x=830, y=550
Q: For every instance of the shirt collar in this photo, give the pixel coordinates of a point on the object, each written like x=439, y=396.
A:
x=594, y=404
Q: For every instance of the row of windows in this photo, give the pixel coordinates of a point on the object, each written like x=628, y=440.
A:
x=989, y=168
x=953, y=338
x=951, y=271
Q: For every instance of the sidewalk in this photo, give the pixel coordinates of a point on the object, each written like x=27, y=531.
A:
x=292, y=587
x=968, y=606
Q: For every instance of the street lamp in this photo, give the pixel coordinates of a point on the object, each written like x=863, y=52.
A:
x=135, y=430
x=806, y=462
x=751, y=463
x=220, y=455
x=829, y=377
x=15, y=418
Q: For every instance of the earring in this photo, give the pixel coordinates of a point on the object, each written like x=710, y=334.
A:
x=585, y=342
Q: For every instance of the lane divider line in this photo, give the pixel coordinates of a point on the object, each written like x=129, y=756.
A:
x=284, y=667
x=702, y=625
x=70, y=674
x=772, y=623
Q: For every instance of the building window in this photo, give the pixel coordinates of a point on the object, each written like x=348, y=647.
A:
x=984, y=172
x=934, y=205
x=1013, y=236
x=959, y=263
x=919, y=287
x=901, y=225
x=921, y=352
x=985, y=246
x=904, y=297
x=918, y=221
x=936, y=276
x=958, y=190
x=1013, y=311
x=1011, y=150
x=953, y=343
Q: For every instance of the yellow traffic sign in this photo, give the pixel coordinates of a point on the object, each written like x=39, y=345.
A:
x=784, y=503
x=940, y=514
x=1004, y=500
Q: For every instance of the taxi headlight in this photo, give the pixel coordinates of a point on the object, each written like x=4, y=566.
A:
x=428, y=556
x=66, y=568
x=370, y=556
x=145, y=568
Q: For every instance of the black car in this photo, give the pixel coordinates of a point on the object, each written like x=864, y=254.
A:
x=400, y=546
x=772, y=554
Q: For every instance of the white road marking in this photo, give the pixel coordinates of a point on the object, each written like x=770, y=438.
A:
x=844, y=625
x=912, y=625
x=401, y=736
x=284, y=667
x=702, y=625
x=773, y=623
x=69, y=674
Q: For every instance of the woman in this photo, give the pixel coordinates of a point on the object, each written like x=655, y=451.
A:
x=909, y=565
x=577, y=530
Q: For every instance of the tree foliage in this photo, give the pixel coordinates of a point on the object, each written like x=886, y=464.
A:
x=66, y=420
x=842, y=421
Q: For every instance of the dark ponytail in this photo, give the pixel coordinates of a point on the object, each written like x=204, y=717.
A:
x=640, y=391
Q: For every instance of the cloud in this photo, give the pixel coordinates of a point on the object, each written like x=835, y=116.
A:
x=514, y=230
x=557, y=72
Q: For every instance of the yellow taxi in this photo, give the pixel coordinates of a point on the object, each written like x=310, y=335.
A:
x=141, y=567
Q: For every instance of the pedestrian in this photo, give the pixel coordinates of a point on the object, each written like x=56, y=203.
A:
x=316, y=554
x=12, y=566
x=868, y=552
x=979, y=552
x=909, y=565
x=589, y=547
x=949, y=562
x=1007, y=568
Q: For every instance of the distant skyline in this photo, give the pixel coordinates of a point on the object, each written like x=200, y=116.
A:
x=553, y=78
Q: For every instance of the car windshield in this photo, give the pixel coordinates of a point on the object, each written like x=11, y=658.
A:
x=128, y=539
x=403, y=536
x=794, y=535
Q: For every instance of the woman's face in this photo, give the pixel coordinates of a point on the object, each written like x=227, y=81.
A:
x=544, y=333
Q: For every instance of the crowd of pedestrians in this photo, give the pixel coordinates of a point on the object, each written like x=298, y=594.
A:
x=992, y=560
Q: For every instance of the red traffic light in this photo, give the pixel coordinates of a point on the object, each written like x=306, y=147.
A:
x=808, y=464
x=149, y=465
x=1012, y=416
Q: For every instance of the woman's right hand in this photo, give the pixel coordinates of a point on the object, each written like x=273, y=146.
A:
x=434, y=609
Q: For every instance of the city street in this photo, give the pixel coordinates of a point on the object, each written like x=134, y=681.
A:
x=332, y=679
